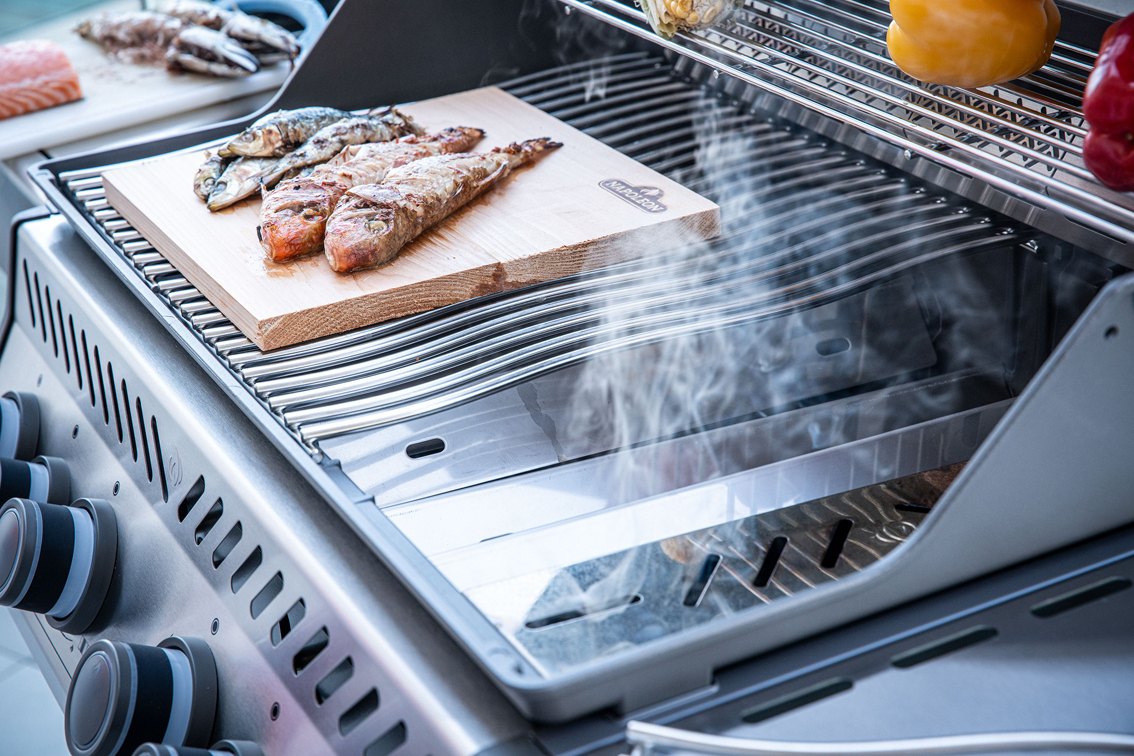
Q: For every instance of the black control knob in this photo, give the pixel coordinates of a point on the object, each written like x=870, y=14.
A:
x=57, y=560
x=124, y=695
x=44, y=479
x=223, y=748
x=19, y=425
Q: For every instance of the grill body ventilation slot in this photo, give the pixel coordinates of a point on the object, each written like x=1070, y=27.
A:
x=69, y=343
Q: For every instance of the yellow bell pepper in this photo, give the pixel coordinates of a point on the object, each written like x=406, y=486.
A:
x=971, y=43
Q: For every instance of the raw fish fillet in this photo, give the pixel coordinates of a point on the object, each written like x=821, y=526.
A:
x=35, y=74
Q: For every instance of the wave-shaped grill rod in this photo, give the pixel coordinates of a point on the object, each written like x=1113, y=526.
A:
x=805, y=223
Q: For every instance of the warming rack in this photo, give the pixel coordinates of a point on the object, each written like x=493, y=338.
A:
x=1024, y=138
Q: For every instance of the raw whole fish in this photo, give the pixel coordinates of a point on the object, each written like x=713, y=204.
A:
x=372, y=223
x=293, y=218
x=34, y=75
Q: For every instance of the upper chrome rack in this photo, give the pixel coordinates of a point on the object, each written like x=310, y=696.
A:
x=1024, y=138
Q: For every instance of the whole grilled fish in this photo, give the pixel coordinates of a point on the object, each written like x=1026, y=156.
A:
x=372, y=223
x=207, y=175
x=240, y=179
x=132, y=36
x=267, y=41
x=197, y=12
x=293, y=218
x=202, y=50
x=277, y=134
x=330, y=140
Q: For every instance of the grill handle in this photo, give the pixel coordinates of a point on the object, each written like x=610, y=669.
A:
x=645, y=738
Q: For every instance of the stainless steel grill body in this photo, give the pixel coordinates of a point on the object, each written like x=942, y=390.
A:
x=142, y=427
x=947, y=310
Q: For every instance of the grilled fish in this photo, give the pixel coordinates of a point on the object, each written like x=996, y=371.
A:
x=202, y=50
x=207, y=175
x=267, y=41
x=330, y=140
x=373, y=222
x=277, y=134
x=197, y=12
x=293, y=218
x=132, y=36
x=240, y=179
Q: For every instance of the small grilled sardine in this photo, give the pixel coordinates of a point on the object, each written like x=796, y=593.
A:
x=371, y=223
x=330, y=140
x=240, y=179
x=207, y=175
x=293, y=218
x=277, y=134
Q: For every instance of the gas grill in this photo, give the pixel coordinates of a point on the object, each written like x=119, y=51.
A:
x=612, y=497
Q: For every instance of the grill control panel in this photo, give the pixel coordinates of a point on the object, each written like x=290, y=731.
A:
x=317, y=648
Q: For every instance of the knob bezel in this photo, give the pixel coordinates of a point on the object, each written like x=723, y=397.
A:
x=102, y=568
x=133, y=716
x=27, y=440
x=32, y=566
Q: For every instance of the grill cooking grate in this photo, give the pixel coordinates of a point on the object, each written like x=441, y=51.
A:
x=1024, y=137
x=814, y=222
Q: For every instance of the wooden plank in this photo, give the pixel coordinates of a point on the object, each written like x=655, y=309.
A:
x=550, y=219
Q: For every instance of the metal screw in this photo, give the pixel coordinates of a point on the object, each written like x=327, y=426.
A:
x=117, y=487
x=75, y=432
x=1111, y=332
x=39, y=380
x=215, y=626
x=275, y=713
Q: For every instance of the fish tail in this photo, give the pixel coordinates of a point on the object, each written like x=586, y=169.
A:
x=524, y=152
x=460, y=138
x=405, y=121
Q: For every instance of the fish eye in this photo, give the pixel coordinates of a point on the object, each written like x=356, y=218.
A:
x=376, y=225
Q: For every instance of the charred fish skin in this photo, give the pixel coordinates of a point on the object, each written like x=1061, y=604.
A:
x=240, y=179
x=371, y=223
x=293, y=218
x=331, y=140
x=207, y=175
x=202, y=50
x=267, y=41
x=277, y=134
x=141, y=37
x=197, y=12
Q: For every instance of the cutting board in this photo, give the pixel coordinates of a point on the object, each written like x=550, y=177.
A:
x=579, y=207
x=116, y=95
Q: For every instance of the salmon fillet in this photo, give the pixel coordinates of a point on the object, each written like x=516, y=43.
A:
x=35, y=74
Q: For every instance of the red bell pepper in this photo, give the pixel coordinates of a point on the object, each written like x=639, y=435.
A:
x=1108, y=105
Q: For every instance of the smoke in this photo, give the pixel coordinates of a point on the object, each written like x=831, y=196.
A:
x=812, y=292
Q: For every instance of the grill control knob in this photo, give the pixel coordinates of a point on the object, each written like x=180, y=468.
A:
x=223, y=748
x=19, y=425
x=44, y=479
x=57, y=560
x=124, y=695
